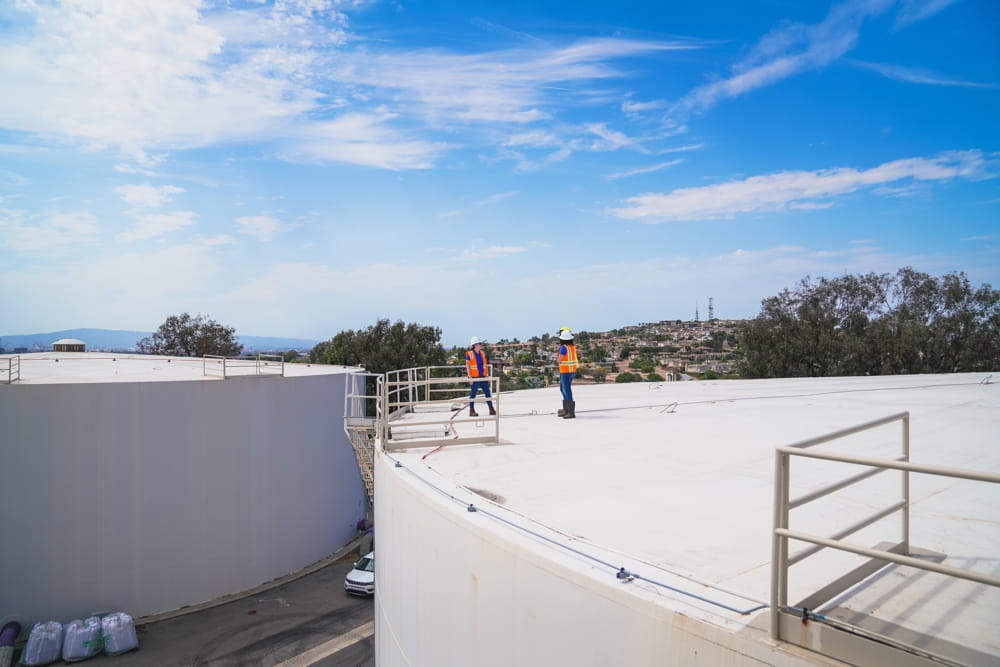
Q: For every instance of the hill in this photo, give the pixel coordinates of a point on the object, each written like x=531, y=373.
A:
x=119, y=340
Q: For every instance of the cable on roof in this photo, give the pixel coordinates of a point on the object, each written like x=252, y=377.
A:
x=663, y=407
x=470, y=507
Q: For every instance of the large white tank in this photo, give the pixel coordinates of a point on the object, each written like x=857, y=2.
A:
x=140, y=484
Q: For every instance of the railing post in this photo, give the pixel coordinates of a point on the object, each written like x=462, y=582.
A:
x=905, y=538
x=779, y=544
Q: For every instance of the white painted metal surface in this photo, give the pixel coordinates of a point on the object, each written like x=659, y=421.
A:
x=137, y=484
x=674, y=483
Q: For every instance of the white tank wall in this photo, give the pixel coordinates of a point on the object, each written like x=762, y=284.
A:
x=146, y=497
x=457, y=588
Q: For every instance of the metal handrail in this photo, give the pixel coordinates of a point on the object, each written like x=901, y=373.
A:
x=13, y=370
x=361, y=424
x=899, y=553
x=440, y=387
x=261, y=364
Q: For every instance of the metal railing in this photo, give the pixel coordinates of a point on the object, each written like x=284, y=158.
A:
x=413, y=407
x=899, y=553
x=262, y=364
x=434, y=399
x=361, y=419
x=10, y=371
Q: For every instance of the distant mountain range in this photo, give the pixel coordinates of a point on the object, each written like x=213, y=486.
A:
x=118, y=341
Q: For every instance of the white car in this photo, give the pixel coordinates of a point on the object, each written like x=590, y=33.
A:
x=361, y=580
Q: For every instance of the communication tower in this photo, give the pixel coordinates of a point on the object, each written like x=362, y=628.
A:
x=711, y=309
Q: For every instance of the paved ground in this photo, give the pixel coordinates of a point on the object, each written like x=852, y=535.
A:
x=308, y=621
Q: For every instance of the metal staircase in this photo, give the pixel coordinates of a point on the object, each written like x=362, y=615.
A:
x=363, y=442
x=413, y=407
x=361, y=410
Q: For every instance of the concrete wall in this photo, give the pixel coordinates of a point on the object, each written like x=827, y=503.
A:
x=457, y=588
x=146, y=497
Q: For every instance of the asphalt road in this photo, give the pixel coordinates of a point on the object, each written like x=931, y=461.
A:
x=308, y=621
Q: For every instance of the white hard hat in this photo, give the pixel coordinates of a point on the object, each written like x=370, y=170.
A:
x=566, y=334
x=475, y=340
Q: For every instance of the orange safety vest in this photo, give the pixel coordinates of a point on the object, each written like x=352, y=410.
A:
x=473, y=367
x=568, y=362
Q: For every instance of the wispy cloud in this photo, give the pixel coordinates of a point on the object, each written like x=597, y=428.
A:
x=644, y=170
x=488, y=201
x=477, y=254
x=513, y=86
x=787, y=51
x=51, y=234
x=366, y=139
x=918, y=76
x=911, y=11
x=796, y=48
x=154, y=225
x=148, y=196
x=797, y=189
x=262, y=227
x=497, y=198
x=147, y=79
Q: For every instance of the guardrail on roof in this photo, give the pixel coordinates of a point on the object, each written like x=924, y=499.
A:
x=11, y=370
x=428, y=407
x=262, y=364
x=414, y=407
x=847, y=641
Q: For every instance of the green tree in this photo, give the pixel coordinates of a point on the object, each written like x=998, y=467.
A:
x=384, y=347
x=909, y=322
x=628, y=377
x=642, y=363
x=186, y=336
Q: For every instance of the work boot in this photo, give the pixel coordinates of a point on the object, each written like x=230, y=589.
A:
x=493, y=410
x=472, y=412
x=570, y=410
x=562, y=410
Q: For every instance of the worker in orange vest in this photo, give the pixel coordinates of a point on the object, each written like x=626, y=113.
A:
x=568, y=363
x=477, y=366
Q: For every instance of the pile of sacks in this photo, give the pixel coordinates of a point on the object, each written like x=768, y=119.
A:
x=113, y=634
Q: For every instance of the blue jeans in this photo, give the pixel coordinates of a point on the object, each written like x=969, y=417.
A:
x=476, y=386
x=566, y=385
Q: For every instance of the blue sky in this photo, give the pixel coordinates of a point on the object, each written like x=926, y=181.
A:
x=497, y=169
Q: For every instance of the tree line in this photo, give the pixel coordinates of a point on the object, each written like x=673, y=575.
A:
x=870, y=324
x=874, y=324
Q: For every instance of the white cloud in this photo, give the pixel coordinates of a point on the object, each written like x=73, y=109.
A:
x=497, y=198
x=912, y=11
x=148, y=196
x=154, y=225
x=142, y=76
x=796, y=48
x=262, y=227
x=148, y=78
x=48, y=234
x=515, y=86
x=918, y=76
x=796, y=189
x=635, y=108
x=362, y=139
x=487, y=253
x=136, y=290
x=644, y=170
